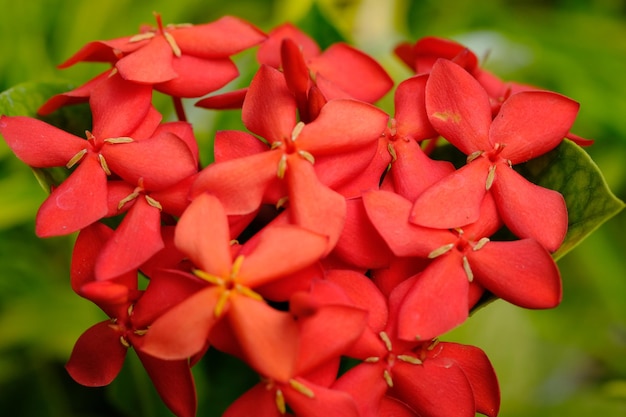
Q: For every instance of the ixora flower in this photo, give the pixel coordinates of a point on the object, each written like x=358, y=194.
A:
x=529, y=124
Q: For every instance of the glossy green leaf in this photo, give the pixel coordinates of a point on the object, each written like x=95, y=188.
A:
x=569, y=170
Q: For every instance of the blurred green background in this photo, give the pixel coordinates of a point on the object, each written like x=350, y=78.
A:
x=570, y=361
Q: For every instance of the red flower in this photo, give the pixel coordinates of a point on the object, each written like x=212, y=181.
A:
x=176, y=59
x=227, y=284
x=99, y=353
x=528, y=125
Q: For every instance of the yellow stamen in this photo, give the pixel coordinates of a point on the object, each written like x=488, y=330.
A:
x=127, y=199
x=124, y=342
x=468, y=269
x=301, y=388
x=221, y=303
x=154, y=203
x=490, y=177
x=122, y=139
x=280, y=402
x=175, y=48
x=282, y=167
x=385, y=337
x=473, y=156
x=76, y=158
x=372, y=359
x=103, y=164
x=410, y=359
x=297, y=130
x=306, y=155
x=392, y=152
x=212, y=279
x=142, y=37
x=440, y=251
x=387, y=377
x=242, y=289
x=482, y=242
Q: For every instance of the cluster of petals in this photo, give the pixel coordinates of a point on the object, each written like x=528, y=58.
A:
x=325, y=231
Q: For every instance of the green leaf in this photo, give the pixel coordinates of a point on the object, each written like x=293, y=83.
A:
x=569, y=170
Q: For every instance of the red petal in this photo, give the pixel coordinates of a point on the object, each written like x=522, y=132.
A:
x=88, y=244
x=410, y=107
x=269, y=51
x=79, y=201
x=521, y=272
x=312, y=205
x=159, y=162
x=365, y=383
x=455, y=200
x=360, y=245
x=202, y=234
x=530, y=210
x=295, y=70
x=434, y=389
x=268, y=337
x=328, y=334
x=97, y=357
x=269, y=109
x=438, y=301
x=389, y=213
x=532, y=123
x=135, y=240
x=232, y=144
x=259, y=401
x=363, y=294
x=223, y=37
x=226, y=179
x=118, y=107
x=78, y=95
x=390, y=407
x=480, y=373
x=150, y=64
x=458, y=107
x=192, y=79
x=413, y=171
x=353, y=71
x=343, y=126
x=174, y=383
x=227, y=101
x=279, y=251
x=183, y=330
x=39, y=144
x=325, y=402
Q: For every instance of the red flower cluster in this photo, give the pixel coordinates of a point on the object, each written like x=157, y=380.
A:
x=326, y=231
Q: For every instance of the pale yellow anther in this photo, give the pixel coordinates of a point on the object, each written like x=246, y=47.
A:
x=386, y=340
x=234, y=270
x=103, y=164
x=482, y=242
x=409, y=359
x=447, y=116
x=301, y=388
x=172, y=42
x=151, y=201
x=130, y=197
x=221, y=303
x=280, y=402
x=490, y=177
x=275, y=145
x=473, y=156
x=296, y=131
x=210, y=278
x=282, y=167
x=122, y=139
x=141, y=332
x=281, y=202
x=372, y=359
x=124, y=342
x=440, y=251
x=76, y=158
x=433, y=344
x=468, y=269
x=243, y=290
x=392, y=152
x=142, y=37
x=307, y=156
x=387, y=377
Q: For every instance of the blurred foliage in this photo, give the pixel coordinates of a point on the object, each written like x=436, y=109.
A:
x=566, y=361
